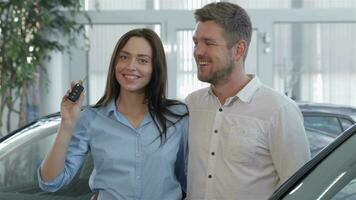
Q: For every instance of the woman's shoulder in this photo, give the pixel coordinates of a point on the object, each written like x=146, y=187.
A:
x=176, y=106
x=89, y=112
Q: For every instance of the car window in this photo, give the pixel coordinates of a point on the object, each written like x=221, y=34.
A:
x=317, y=140
x=324, y=123
x=345, y=123
x=19, y=166
x=348, y=192
x=333, y=178
x=19, y=161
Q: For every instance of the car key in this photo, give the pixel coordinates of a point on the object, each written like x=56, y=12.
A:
x=76, y=91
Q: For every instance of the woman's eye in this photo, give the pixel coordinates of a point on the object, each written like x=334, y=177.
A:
x=142, y=61
x=122, y=57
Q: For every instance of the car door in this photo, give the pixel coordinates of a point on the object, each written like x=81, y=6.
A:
x=330, y=175
x=21, y=155
x=324, y=122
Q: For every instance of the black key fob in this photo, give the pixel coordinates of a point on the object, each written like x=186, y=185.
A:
x=75, y=93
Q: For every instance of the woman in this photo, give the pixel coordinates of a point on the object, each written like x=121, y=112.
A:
x=136, y=136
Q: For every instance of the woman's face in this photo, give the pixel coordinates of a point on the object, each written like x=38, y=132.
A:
x=133, y=67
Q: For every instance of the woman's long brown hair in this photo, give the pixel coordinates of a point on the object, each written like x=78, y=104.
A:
x=155, y=91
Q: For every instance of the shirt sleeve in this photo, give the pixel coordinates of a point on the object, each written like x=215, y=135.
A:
x=182, y=157
x=76, y=154
x=288, y=142
x=187, y=99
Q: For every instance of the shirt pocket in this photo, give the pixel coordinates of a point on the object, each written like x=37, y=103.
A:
x=242, y=144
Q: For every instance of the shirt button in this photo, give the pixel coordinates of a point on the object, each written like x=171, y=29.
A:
x=215, y=131
x=220, y=109
x=212, y=153
x=210, y=176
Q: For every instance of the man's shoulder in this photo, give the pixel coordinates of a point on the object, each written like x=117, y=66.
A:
x=196, y=95
x=273, y=97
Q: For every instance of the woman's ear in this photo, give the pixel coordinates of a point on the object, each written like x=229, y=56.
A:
x=240, y=50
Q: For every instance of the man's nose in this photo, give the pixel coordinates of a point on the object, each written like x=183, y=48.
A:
x=199, y=50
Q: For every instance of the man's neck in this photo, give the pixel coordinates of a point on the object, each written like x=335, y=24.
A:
x=230, y=86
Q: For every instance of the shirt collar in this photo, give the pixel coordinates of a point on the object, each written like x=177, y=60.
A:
x=247, y=92
x=110, y=108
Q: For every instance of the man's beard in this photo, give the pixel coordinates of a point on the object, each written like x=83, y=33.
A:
x=219, y=75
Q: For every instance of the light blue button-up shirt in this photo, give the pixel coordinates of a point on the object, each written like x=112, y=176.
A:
x=129, y=163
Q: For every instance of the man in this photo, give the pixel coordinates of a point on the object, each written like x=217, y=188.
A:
x=245, y=139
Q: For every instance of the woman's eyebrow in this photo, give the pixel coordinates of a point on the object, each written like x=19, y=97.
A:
x=143, y=55
x=138, y=55
x=124, y=52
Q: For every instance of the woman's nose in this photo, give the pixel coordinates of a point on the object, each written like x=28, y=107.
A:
x=132, y=63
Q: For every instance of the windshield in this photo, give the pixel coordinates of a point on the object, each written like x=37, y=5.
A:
x=20, y=157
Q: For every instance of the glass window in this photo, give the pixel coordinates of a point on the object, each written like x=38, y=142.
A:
x=348, y=192
x=19, y=166
x=118, y=5
x=323, y=123
x=333, y=178
x=345, y=123
x=103, y=39
x=20, y=159
x=187, y=80
x=317, y=140
x=310, y=64
x=194, y=4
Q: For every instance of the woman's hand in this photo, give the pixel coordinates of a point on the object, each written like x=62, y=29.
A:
x=70, y=111
x=53, y=164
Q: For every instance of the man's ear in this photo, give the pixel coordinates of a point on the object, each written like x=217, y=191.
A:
x=240, y=50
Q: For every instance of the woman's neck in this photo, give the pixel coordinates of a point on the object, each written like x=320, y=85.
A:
x=131, y=104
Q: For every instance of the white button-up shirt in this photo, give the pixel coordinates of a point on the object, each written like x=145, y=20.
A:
x=244, y=149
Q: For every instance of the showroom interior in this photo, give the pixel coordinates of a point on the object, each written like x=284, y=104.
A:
x=303, y=48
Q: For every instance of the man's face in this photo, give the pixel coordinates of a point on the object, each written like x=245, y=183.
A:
x=214, y=59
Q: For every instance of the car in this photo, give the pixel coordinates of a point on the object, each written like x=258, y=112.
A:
x=331, y=174
x=329, y=118
x=21, y=153
x=318, y=140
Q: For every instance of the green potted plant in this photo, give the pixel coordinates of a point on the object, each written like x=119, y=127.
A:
x=25, y=27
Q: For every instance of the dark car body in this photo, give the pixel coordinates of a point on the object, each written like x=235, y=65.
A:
x=331, y=174
x=318, y=140
x=329, y=118
x=21, y=153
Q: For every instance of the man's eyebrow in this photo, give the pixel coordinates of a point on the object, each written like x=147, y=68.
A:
x=206, y=39
x=210, y=40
